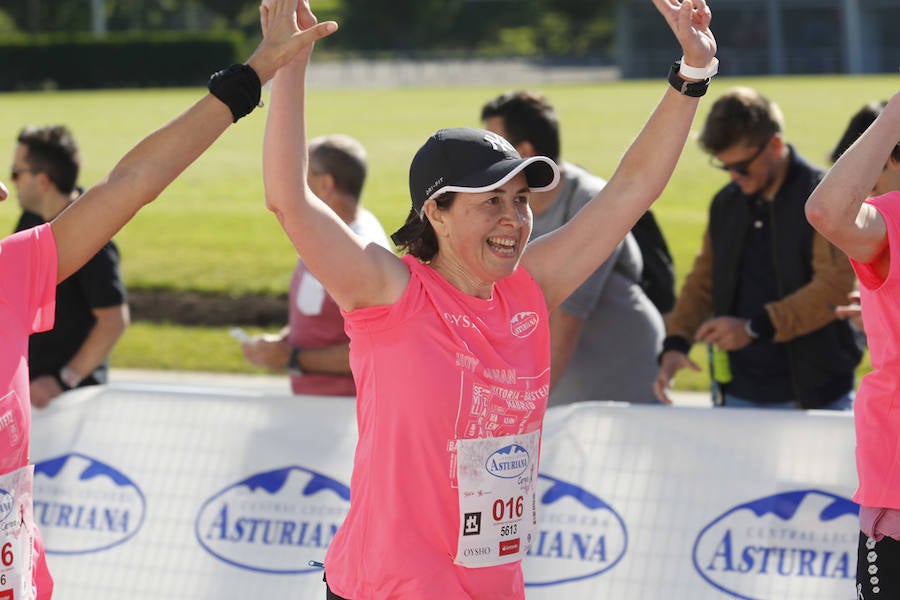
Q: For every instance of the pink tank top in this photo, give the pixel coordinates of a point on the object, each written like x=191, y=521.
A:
x=436, y=367
x=28, y=268
x=27, y=305
x=876, y=409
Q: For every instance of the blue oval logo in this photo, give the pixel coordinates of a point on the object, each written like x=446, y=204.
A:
x=759, y=548
x=579, y=535
x=274, y=521
x=84, y=505
x=508, y=462
x=6, y=505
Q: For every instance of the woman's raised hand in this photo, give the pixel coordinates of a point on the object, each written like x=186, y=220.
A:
x=689, y=21
x=287, y=30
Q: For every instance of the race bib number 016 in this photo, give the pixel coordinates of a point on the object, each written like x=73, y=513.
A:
x=497, y=482
x=16, y=534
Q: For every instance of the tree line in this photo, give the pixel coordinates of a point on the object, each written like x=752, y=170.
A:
x=569, y=28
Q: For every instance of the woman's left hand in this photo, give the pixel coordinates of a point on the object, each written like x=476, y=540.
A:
x=689, y=21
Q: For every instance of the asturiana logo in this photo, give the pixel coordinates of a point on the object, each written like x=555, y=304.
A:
x=768, y=547
x=508, y=462
x=523, y=324
x=84, y=505
x=579, y=535
x=274, y=521
x=6, y=505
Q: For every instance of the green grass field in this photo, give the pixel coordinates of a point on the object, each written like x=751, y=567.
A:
x=210, y=229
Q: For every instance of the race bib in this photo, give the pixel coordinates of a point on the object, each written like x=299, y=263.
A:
x=497, y=481
x=16, y=534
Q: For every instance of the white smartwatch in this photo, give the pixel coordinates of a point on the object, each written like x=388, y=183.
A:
x=706, y=72
x=69, y=377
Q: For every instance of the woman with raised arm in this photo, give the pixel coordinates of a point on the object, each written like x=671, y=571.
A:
x=857, y=207
x=33, y=261
x=450, y=344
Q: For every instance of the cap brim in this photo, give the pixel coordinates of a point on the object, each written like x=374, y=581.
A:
x=541, y=173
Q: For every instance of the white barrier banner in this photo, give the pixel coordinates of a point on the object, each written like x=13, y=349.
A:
x=163, y=493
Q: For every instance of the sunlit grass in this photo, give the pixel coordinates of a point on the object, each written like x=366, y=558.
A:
x=210, y=230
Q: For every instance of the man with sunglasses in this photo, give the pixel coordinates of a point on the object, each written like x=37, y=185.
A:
x=762, y=288
x=91, y=309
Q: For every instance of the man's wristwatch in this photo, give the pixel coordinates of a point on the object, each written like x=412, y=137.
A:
x=749, y=329
x=69, y=377
x=294, y=362
x=694, y=89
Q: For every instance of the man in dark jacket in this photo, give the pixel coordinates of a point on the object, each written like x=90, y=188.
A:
x=762, y=290
x=91, y=305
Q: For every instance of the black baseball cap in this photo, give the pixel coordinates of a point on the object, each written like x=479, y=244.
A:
x=465, y=159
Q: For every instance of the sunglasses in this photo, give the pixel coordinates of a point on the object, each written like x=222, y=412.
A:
x=15, y=171
x=741, y=167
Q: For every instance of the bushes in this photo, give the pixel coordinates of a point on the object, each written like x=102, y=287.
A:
x=120, y=60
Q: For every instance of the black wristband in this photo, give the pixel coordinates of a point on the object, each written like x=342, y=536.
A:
x=238, y=87
x=62, y=384
x=694, y=89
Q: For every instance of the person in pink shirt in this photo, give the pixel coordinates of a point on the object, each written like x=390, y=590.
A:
x=449, y=345
x=32, y=262
x=857, y=207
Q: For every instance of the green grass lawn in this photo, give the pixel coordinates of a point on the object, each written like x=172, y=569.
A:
x=210, y=229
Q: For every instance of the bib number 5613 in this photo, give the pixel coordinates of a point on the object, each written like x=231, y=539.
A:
x=511, y=508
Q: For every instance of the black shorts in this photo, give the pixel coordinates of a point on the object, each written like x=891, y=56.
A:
x=877, y=568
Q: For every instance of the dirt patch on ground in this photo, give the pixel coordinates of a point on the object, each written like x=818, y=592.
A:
x=203, y=308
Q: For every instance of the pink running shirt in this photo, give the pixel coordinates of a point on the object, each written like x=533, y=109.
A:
x=28, y=268
x=876, y=411
x=436, y=366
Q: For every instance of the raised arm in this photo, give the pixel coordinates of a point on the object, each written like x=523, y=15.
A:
x=356, y=272
x=587, y=240
x=836, y=207
x=145, y=171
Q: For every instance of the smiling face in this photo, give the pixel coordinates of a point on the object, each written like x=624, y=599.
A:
x=482, y=236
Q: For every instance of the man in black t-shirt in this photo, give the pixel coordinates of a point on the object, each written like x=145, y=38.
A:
x=91, y=309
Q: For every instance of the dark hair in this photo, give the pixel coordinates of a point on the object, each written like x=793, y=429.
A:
x=858, y=124
x=527, y=116
x=417, y=236
x=741, y=115
x=52, y=150
x=343, y=158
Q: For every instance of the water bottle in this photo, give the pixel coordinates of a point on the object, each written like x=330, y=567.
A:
x=720, y=364
x=719, y=373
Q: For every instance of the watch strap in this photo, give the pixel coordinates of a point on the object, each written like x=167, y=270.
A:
x=294, y=362
x=693, y=89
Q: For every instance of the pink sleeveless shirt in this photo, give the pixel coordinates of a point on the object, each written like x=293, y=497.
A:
x=877, y=405
x=28, y=267
x=435, y=367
